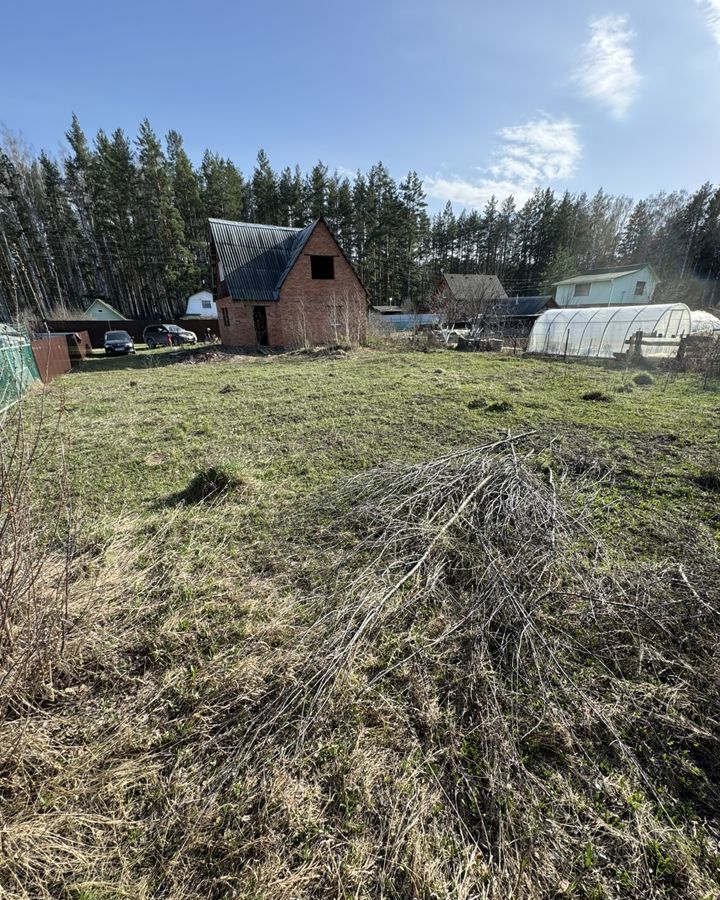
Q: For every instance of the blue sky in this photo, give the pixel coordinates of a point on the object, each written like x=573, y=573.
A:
x=478, y=97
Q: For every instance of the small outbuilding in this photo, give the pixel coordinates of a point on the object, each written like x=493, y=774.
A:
x=201, y=304
x=462, y=298
x=606, y=331
x=101, y=311
x=515, y=316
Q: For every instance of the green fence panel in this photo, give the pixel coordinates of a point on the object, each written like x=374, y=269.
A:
x=17, y=372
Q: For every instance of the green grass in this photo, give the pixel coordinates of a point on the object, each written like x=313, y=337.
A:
x=198, y=577
x=138, y=433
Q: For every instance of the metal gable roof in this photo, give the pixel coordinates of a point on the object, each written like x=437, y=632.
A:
x=610, y=273
x=98, y=302
x=605, y=276
x=256, y=259
x=474, y=287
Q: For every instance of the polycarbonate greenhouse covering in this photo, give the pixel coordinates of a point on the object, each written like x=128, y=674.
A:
x=604, y=331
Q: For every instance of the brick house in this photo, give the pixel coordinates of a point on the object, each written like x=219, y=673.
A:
x=284, y=287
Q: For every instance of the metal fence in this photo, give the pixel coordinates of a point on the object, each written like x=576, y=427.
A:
x=17, y=371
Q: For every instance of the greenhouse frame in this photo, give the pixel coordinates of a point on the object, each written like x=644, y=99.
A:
x=605, y=331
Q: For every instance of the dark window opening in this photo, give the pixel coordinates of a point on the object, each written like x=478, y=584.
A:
x=226, y=317
x=640, y=288
x=322, y=267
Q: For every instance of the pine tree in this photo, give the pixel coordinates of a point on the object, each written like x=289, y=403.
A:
x=286, y=197
x=166, y=259
x=265, y=198
x=186, y=193
x=637, y=235
x=223, y=189
x=112, y=181
x=414, y=226
x=62, y=236
x=316, y=188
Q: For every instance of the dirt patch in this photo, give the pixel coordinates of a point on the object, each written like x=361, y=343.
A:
x=708, y=480
x=155, y=458
x=191, y=357
x=500, y=406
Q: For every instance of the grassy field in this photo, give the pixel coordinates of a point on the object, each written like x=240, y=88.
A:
x=139, y=431
x=210, y=537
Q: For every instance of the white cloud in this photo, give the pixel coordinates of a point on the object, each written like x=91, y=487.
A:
x=607, y=73
x=529, y=156
x=712, y=16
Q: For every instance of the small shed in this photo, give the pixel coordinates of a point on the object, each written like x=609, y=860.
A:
x=462, y=298
x=201, y=304
x=103, y=312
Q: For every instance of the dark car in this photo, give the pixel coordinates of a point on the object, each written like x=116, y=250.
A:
x=118, y=342
x=165, y=335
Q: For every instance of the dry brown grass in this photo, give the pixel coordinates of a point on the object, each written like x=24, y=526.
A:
x=448, y=688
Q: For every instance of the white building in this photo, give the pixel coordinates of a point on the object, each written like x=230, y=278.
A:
x=614, y=286
x=201, y=304
x=103, y=312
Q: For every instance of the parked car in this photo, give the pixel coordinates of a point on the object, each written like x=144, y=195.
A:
x=118, y=342
x=164, y=335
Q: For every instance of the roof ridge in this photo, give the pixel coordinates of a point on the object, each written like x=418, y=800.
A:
x=256, y=224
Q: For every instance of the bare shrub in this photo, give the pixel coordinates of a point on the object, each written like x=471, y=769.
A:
x=700, y=353
x=346, y=324
x=36, y=554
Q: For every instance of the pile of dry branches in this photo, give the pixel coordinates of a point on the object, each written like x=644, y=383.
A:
x=453, y=691
x=482, y=705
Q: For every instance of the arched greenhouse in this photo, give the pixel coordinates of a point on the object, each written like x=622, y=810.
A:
x=704, y=322
x=604, y=331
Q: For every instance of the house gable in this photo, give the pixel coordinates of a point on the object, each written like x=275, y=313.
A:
x=320, y=242
x=102, y=311
x=477, y=287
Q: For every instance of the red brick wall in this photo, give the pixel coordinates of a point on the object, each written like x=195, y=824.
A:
x=309, y=311
x=241, y=331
